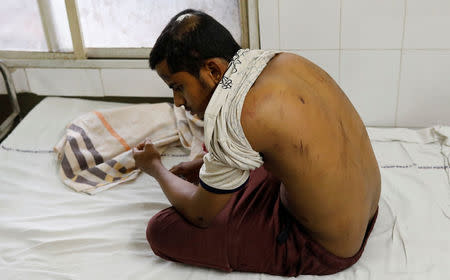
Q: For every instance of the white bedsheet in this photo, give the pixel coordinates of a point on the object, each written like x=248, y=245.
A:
x=48, y=231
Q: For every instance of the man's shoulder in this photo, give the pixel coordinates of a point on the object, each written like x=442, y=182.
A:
x=267, y=90
x=266, y=100
x=258, y=114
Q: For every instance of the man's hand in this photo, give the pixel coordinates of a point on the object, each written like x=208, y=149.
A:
x=147, y=158
x=188, y=170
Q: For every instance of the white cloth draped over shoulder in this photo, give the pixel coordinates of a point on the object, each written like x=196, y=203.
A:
x=230, y=157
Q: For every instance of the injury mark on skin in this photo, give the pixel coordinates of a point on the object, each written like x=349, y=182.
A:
x=344, y=135
x=180, y=18
x=303, y=149
x=301, y=99
x=185, y=23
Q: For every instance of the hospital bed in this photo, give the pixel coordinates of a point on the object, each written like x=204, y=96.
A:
x=49, y=231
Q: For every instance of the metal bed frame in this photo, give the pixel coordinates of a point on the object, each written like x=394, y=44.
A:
x=7, y=124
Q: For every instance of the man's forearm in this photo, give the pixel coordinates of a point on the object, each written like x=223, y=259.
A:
x=179, y=192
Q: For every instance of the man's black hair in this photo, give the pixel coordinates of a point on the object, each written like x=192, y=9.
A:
x=190, y=38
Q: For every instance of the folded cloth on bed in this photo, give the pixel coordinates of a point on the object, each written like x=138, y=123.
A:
x=227, y=165
x=95, y=153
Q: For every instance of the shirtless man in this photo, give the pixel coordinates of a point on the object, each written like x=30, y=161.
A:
x=309, y=209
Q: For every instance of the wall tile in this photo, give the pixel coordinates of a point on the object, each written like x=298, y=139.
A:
x=369, y=24
x=268, y=24
x=65, y=82
x=370, y=80
x=427, y=24
x=19, y=80
x=134, y=82
x=328, y=60
x=306, y=24
x=424, y=89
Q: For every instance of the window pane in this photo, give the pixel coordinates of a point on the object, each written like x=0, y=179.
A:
x=21, y=26
x=59, y=30
x=138, y=23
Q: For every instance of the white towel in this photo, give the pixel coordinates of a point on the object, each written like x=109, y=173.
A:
x=95, y=153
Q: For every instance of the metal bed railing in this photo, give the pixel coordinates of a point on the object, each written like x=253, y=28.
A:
x=7, y=124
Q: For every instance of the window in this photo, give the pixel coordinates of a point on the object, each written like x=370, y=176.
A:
x=77, y=29
x=34, y=26
x=137, y=23
x=23, y=31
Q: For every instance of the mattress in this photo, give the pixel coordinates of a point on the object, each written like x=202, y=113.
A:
x=48, y=231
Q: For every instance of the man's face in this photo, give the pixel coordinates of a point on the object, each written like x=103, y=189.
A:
x=189, y=91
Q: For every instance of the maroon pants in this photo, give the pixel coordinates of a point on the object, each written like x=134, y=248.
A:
x=253, y=233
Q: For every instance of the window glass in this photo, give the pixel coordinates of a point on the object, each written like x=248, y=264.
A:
x=59, y=26
x=21, y=26
x=138, y=23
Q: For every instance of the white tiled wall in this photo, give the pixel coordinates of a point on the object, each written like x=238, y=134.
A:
x=372, y=24
x=427, y=24
x=391, y=57
x=88, y=82
x=68, y=82
x=19, y=79
x=373, y=92
x=133, y=82
x=424, y=88
x=301, y=21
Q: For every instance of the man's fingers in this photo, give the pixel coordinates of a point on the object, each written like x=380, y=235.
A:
x=175, y=170
x=140, y=146
x=149, y=145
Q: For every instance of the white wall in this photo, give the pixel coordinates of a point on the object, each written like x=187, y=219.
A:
x=90, y=80
x=19, y=79
x=391, y=57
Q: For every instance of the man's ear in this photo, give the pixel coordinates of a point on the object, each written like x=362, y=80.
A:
x=216, y=68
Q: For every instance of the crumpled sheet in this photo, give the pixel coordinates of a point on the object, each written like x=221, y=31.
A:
x=48, y=231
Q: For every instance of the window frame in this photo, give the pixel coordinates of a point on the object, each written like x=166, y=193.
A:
x=249, y=38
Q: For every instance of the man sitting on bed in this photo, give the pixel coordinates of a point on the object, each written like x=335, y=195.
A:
x=289, y=183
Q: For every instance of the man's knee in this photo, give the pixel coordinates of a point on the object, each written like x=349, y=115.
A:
x=156, y=234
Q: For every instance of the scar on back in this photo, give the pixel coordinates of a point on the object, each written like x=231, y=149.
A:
x=301, y=99
x=302, y=148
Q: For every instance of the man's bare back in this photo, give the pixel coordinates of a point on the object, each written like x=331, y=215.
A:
x=314, y=141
